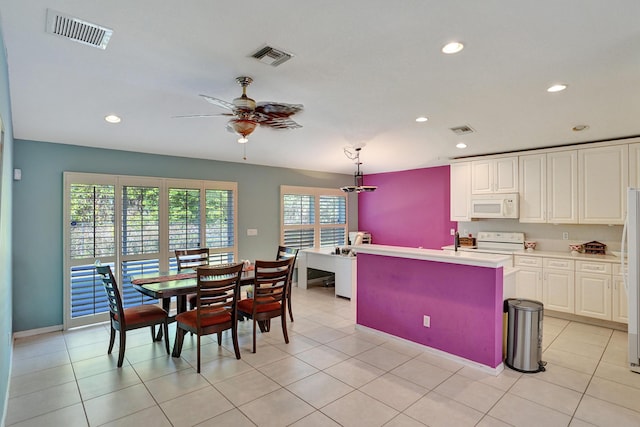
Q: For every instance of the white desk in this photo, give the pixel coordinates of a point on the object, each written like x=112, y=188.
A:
x=344, y=268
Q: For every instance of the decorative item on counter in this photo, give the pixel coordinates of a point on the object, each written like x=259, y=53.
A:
x=576, y=249
x=594, y=247
x=467, y=241
x=250, y=291
x=529, y=245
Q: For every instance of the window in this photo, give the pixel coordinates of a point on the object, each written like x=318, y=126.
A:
x=313, y=217
x=136, y=223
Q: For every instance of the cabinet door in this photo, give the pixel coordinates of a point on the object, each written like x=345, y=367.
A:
x=593, y=295
x=529, y=283
x=634, y=165
x=506, y=175
x=558, y=291
x=562, y=187
x=533, y=187
x=620, y=308
x=603, y=180
x=460, y=191
x=482, y=176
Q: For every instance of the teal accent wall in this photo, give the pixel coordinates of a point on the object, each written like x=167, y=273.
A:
x=6, y=184
x=38, y=210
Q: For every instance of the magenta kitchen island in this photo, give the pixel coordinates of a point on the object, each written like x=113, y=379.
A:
x=460, y=292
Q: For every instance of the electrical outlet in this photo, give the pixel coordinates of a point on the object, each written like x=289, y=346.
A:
x=565, y=236
x=426, y=321
x=452, y=231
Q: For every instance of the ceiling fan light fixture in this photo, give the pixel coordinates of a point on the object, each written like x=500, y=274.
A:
x=243, y=127
x=243, y=140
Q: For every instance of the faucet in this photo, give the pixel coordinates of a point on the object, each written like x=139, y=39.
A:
x=456, y=241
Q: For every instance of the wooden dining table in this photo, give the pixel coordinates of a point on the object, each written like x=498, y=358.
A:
x=165, y=285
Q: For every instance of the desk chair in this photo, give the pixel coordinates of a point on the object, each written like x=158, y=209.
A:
x=126, y=319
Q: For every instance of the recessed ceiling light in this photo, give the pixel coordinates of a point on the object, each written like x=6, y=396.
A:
x=557, y=88
x=461, y=145
x=112, y=118
x=580, y=128
x=421, y=119
x=453, y=47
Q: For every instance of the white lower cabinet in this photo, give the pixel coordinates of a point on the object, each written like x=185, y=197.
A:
x=620, y=308
x=558, y=286
x=587, y=288
x=528, y=277
x=593, y=289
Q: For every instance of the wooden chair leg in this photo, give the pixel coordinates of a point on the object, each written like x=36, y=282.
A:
x=165, y=326
x=112, y=340
x=284, y=327
x=177, y=345
x=289, y=305
x=236, y=347
x=254, y=334
x=123, y=343
x=198, y=353
x=219, y=338
x=153, y=333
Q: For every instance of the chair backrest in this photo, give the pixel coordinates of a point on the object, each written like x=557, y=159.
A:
x=218, y=291
x=271, y=280
x=192, y=258
x=113, y=293
x=285, y=252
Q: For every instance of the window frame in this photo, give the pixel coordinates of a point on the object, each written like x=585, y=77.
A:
x=164, y=254
x=316, y=193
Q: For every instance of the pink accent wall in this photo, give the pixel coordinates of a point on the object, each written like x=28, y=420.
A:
x=464, y=302
x=409, y=208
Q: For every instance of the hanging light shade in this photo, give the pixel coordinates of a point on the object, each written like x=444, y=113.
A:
x=358, y=177
x=243, y=127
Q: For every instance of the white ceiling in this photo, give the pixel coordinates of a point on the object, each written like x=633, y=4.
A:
x=364, y=71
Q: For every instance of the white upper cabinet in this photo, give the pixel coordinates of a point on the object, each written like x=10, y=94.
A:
x=602, y=184
x=460, y=186
x=634, y=165
x=562, y=187
x=533, y=187
x=549, y=187
x=490, y=176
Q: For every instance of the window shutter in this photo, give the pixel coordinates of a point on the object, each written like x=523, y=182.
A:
x=184, y=218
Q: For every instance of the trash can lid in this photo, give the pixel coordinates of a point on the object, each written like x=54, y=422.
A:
x=525, y=304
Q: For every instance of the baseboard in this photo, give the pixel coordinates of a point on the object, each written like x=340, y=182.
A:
x=587, y=320
x=39, y=331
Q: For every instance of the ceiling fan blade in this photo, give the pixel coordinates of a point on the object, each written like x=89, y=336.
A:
x=219, y=102
x=278, y=109
x=195, y=116
x=277, y=122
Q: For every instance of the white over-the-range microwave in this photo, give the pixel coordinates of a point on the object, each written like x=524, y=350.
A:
x=494, y=206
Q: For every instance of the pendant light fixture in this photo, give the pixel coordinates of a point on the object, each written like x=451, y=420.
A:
x=358, y=177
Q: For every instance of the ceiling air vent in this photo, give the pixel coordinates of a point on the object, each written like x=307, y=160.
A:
x=462, y=130
x=271, y=56
x=77, y=30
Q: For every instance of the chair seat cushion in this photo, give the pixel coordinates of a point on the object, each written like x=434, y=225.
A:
x=143, y=314
x=246, y=306
x=214, y=317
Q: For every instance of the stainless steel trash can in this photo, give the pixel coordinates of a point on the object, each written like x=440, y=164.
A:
x=524, y=335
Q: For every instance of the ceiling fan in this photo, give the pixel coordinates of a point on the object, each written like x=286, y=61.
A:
x=247, y=114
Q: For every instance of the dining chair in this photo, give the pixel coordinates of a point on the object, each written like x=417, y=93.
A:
x=269, y=295
x=126, y=319
x=192, y=259
x=283, y=253
x=216, y=307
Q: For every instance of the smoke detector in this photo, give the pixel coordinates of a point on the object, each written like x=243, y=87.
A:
x=78, y=30
x=271, y=56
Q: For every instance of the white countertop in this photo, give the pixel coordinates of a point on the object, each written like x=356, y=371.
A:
x=547, y=254
x=477, y=259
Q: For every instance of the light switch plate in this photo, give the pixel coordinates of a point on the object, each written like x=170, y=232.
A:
x=252, y=231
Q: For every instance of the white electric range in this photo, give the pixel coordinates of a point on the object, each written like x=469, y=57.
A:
x=494, y=242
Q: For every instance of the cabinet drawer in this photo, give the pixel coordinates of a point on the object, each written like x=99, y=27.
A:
x=617, y=269
x=558, y=264
x=593, y=267
x=528, y=261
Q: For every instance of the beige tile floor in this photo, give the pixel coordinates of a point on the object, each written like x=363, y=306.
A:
x=330, y=374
